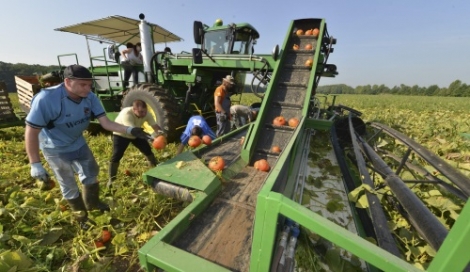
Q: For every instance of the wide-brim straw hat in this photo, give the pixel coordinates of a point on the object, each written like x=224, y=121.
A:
x=229, y=79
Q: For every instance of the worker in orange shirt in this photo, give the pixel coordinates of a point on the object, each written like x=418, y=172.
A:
x=222, y=105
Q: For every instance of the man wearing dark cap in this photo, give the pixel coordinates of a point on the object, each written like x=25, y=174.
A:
x=55, y=124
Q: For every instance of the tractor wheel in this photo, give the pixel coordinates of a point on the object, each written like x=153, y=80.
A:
x=159, y=103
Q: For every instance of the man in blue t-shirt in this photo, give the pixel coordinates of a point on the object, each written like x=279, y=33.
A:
x=55, y=124
x=197, y=125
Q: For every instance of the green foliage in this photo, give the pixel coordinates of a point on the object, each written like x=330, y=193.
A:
x=8, y=71
x=33, y=226
x=38, y=230
x=455, y=89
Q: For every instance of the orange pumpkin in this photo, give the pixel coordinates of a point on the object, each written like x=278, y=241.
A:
x=206, y=139
x=276, y=149
x=309, y=32
x=194, y=141
x=315, y=32
x=308, y=46
x=217, y=163
x=159, y=142
x=99, y=244
x=63, y=208
x=262, y=165
x=106, y=236
x=309, y=63
x=293, y=122
x=295, y=47
x=299, y=32
x=279, y=121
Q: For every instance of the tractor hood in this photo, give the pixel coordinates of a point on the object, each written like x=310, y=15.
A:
x=119, y=29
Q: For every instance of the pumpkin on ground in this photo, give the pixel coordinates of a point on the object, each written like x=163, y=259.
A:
x=194, y=141
x=217, y=163
x=159, y=142
x=106, y=236
x=276, y=149
x=99, y=244
x=293, y=122
x=262, y=165
x=279, y=121
x=206, y=139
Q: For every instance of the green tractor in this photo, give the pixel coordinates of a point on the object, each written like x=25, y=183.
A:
x=174, y=86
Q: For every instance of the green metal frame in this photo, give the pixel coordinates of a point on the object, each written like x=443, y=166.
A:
x=272, y=206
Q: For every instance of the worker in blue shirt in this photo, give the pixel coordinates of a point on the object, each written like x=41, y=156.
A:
x=55, y=124
x=197, y=125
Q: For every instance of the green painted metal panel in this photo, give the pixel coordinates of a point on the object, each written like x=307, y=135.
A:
x=318, y=124
x=193, y=174
x=171, y=258
x=264, y=233
x=338, y=235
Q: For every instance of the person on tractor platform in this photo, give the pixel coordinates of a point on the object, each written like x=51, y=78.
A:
x=197, y=125
x=55, y=124
x=131, y=60
x=134, y=116
x=222, y=105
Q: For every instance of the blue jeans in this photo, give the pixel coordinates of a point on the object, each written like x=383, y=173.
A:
x=66, y=165
x=223, y=127
x=128, y=71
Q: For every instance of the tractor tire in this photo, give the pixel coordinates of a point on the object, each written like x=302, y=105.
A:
x=160, y=104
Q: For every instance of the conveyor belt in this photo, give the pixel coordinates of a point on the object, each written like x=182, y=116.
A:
x=223, y=232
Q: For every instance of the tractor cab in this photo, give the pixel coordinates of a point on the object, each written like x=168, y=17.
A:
x=226, y=39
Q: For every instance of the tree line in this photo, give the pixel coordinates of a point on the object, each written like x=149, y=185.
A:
x=456, y=89
x=8, y=71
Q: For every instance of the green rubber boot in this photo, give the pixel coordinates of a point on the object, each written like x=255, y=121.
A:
x=80, y=213
x=91, y=196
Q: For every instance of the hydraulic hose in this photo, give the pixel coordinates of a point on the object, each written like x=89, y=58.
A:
x=384, y=237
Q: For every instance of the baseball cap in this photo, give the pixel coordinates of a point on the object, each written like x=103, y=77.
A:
x=76, y=71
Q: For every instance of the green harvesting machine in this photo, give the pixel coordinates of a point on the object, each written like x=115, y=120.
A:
x=339, y=196
x=243, y=219
x=324, y=193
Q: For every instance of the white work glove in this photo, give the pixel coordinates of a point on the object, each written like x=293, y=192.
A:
x=38, y=172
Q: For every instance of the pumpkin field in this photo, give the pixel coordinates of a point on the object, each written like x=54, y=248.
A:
x=37, y=231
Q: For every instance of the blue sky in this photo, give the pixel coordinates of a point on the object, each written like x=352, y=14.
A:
x=379, y=42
